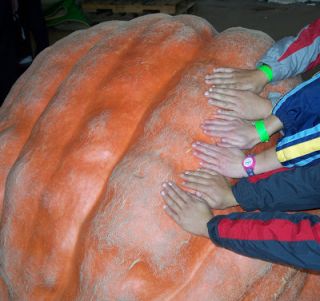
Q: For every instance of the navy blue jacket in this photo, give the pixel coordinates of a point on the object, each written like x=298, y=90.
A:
x=274, y=235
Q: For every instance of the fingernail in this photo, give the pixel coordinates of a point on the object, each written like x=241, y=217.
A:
x=162, y=192
x=164, y=185
x=187, y=172
x=170, y=183
x=201, y=163
x=206, y=93
x=210, y=89
x=165, y=207
x=198, y=193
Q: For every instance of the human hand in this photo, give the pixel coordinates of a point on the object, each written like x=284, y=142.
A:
x=186, y=210
x=233, y=132
x=225, y=161
x=240, y=104
x=211, y=187
x=239, y=79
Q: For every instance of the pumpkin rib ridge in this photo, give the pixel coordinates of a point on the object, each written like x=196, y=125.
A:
x=43, y=120
x=175, y=78
x=192, y=273
x=16, y=125
x=46, y=112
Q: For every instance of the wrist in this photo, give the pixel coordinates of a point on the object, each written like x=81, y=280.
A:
x=260, y=78
x=261, y=130
x=273, y=124
x=255, y=138
x=205, y=232
x=266, y=71
x=231, y=200
x=248, y=164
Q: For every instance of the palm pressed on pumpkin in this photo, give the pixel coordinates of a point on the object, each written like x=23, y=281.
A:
x=88, y=134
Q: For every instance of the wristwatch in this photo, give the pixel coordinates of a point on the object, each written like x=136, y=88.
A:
x=248, y=163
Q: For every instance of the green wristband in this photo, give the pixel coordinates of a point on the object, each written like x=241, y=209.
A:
x=262, y=131
x=267, y=71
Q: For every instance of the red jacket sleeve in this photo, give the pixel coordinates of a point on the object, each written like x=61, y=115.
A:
x=292, y=239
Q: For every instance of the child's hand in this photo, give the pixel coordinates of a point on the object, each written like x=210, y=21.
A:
x=240, y=104
x=211, y=187
x=239, y=79
x=225, y=161
x=187, y=211
x=233, y=132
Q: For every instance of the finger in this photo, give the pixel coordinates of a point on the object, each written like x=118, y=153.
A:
x=214, y=159
x=196, y=179
x=221, y=96
x=218, y=74
x=172, y=200
x=223, y=70
x=205, y=151
x=230, y=85
x=183, y=195
x=172, y=214
x=230, y=113
x=207, y=148
x=228, y=145
x=221, y=104
x=224, y=80
x=221, y=118
x=223, y=91
x=227, y=127
x=214, y=167
x=194, y=173
x=208, y=171
x=196, y=187
x=207, y=199
x=218, y=133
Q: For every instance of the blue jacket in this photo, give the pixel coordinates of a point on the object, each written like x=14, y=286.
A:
x=298, y=110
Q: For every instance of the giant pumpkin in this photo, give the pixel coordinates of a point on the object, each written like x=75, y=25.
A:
x=88, y=134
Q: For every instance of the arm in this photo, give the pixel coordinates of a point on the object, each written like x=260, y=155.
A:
x=293, y=55
x=238, y=133
x=295, y=189
x=299, y=112
x=288, y=57
x=266, y=161
x=228, y=161
x=292, y=239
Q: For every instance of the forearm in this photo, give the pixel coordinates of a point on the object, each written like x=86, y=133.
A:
x=299, y=112
x=273, y=124
x=267, y=160
x=277, y=237
x=294, y=189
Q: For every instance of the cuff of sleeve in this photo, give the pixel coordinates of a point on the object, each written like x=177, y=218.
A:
x=242, y=192
x=213, y=229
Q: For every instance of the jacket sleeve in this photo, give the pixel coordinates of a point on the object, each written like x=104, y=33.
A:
x=293, y=189
x=292, y=239
x=291, y=56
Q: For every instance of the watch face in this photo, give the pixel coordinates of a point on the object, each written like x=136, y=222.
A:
x=248, y=162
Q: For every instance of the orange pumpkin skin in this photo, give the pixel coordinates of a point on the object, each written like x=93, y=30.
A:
x=88, y=134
